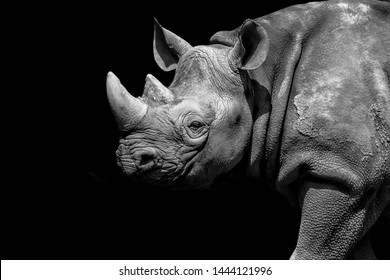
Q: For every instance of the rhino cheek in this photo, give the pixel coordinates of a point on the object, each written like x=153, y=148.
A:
x=231, y=136
x=226, y=155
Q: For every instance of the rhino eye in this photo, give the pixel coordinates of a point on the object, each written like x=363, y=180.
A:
x=196, y=129
x=195, y=125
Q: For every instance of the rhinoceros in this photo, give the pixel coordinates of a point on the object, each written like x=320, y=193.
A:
x=299, y=97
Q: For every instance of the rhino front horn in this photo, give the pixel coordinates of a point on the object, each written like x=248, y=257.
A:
x=127, y=110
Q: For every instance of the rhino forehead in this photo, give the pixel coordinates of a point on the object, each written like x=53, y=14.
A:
x=208, y=66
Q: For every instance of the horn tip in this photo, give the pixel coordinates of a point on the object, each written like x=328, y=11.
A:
x=110, y=74
x=157, y=24
x=112, y=78
x=112, y=83
x=149, y=77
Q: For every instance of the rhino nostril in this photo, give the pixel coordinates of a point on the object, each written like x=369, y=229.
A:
x=146, y=157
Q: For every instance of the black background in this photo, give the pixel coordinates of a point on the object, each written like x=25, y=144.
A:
x=66, y=199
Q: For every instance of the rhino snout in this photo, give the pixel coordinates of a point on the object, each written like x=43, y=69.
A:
x=141, y=161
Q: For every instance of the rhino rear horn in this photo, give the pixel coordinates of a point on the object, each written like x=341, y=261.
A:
x=251, y=48
x=127, y=110
x=156, y=91
x=167, y=47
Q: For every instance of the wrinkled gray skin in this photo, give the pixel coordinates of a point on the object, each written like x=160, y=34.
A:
x=300, y=97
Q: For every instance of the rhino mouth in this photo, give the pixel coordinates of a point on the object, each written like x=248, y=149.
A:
x=161, y=173
x=154, y=172
x=173, y=178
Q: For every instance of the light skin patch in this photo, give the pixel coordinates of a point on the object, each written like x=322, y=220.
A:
x=343, y=5
x=364, y=8
x=321, y=111
x=324, y=93
x=353, y=14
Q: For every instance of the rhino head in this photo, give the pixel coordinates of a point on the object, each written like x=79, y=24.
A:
x=199, y=127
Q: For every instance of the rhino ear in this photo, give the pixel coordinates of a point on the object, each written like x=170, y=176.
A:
x=251, y=48
x=167, y=47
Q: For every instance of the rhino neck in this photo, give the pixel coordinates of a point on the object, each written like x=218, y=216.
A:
x=275, y=77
